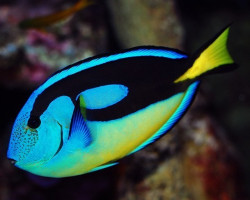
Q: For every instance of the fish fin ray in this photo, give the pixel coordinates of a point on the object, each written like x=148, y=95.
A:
x=210, y=57
x=79, y=130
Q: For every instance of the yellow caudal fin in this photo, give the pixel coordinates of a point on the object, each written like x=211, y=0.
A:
x=213, y=56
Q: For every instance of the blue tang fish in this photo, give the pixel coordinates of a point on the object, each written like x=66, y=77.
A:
x=90, y=114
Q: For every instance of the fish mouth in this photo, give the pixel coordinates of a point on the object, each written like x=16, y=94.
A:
x=12, y=161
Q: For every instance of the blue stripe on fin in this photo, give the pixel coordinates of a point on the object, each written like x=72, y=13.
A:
x=79, y=132
x=104, y=96
x=136, y=52
x=185, y=103
x=103, y=166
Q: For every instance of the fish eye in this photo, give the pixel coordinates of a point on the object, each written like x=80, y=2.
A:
x=34, y=122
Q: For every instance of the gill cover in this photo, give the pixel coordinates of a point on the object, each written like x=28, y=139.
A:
x=30, y=146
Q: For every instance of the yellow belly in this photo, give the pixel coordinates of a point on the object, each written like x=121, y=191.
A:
x=112, y=140
x=115, y=139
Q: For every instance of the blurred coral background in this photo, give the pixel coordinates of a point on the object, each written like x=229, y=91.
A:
x=205, y=157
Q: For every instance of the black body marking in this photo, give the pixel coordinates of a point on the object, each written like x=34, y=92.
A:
x=34, y=122
x=149, y=79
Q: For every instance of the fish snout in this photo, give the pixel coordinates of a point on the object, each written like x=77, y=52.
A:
x=12, y=161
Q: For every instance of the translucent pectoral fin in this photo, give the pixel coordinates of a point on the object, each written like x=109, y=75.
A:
x=79, y=131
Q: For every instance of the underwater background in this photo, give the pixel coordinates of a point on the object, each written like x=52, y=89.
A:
x=206, y=156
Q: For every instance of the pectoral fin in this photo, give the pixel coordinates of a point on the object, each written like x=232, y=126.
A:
x=79, y=130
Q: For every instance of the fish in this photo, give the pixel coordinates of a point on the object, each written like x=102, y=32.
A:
x=42, y=22
x=89, y=115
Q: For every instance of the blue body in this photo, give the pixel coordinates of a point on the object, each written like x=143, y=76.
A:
x=94, y=112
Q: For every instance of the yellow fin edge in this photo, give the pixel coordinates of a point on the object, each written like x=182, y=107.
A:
x=83, y=107
x=213, y=56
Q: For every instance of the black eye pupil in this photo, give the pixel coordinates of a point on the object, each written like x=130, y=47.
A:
x=34, y=122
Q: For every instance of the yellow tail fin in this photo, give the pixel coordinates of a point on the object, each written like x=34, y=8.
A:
x=215, y=55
